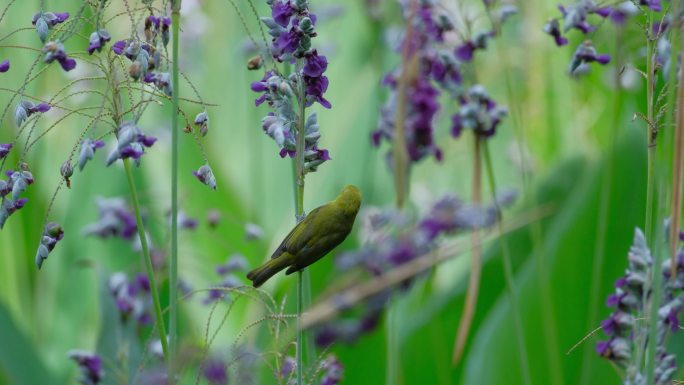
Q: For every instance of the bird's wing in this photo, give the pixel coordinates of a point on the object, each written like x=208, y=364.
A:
x=300, y=235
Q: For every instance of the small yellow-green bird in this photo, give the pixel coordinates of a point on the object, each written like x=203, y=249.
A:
x=321, y=231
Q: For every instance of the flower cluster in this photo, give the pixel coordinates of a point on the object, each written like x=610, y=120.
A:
x=391, y=239
x=132, y=297
x=143, y=57
x=132, y=143
x=116, y=220
x=45, y=21
x=157, y=26
x=631, y=299
x=90, y=365
x=52, y=234
x=435, y=68
x=25, y=109
x=54, y=50
x=10, y=192
x=292, y=28
x=477, y=112
x=235, y=263
x=578, y=16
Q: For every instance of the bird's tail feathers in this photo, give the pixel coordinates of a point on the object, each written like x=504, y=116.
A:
x=262, y=273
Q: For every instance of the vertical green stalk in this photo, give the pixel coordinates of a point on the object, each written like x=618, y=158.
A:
x=508, y=274
x=299, y=216
x=651, y=134
x=173, y=265
x=148, y=261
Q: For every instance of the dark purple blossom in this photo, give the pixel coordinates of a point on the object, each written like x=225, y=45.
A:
x=131, y=143
x=119, y=47
x=585, y=54
x=4, y=66
x=282, y=12
x=315, y=65
x=26, y=108
x=90, y=365
x=88, y=148
x=653, y=5
x=45, y=21
x=131, y=297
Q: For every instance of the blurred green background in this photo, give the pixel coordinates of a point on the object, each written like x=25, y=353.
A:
x=566, y=125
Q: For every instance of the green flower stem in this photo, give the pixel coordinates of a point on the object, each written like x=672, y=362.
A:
x=148, y=261
x=299, y=216
x=173, y=264
x=508, y=272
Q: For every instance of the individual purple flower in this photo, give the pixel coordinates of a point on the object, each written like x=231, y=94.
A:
x=205, y=175
x=4, y=66
x=55, y=51
x=88, y=148
x=119, y=47
x=26, y=108
x=90, y=365
x=4, y=149
x=45, y=21
x=282, y=12
x=552, y=27
x=116, y=219
x=97, y=41
x=315, y=88
x=131, y=143
x=466, y=50
x=131, y=297
x=585, y=54
x=477, y=112
x=315, y=64
x=161, y=80
x=184, y=222
x=202, y=122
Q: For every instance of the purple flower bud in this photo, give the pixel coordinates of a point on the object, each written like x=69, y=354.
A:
x=5, y=66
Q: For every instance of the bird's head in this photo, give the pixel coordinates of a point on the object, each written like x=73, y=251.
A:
x=349, y=200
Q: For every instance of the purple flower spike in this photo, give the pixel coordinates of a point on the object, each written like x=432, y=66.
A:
x=5, y=66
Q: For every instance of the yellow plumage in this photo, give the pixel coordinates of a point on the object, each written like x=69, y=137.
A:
x=321, y=231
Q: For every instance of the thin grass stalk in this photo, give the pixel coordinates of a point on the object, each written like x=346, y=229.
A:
x=173, y=265
x=529, y=192
x=475, y=261
x=148, y=261
x=678, y=142
x=650, y=353
x=508, y=273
